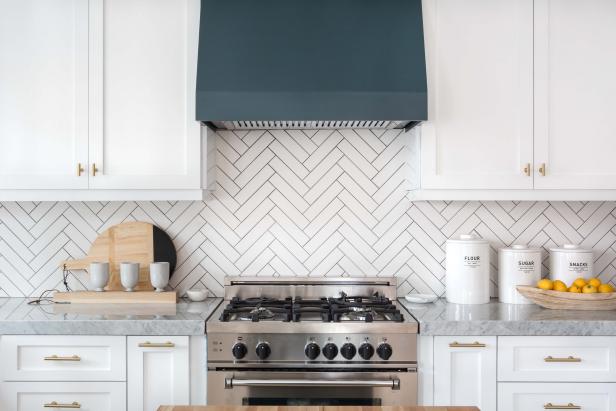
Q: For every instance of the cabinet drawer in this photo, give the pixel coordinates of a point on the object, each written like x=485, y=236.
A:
x=567, y=359
x=86, y=396
x=63, y=358
x=554, y=396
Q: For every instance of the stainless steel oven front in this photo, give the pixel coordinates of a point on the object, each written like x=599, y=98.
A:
x=312, y=387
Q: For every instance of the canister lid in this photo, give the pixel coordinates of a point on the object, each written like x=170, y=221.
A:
x=570, y=248
x=520, y=248
x=467, y=239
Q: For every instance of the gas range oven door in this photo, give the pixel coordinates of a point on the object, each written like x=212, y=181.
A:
x=240, y=387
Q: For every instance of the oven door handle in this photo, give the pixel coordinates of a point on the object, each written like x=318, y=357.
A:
x=231, y=382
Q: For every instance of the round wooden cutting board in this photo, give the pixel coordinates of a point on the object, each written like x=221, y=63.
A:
x=136, y=242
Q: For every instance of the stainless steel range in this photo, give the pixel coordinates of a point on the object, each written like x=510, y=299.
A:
x=306, y=341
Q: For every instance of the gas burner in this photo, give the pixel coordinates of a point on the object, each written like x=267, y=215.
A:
x=345, y=308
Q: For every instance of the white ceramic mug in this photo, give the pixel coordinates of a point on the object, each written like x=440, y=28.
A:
x=129, y=275
x=99, y=275
x=159, y=275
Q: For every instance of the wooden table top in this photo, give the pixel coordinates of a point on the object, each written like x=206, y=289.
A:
x=308, y=408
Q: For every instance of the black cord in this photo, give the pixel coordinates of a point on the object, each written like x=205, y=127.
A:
x=46, y=297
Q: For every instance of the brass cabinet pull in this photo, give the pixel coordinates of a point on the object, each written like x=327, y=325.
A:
x=55, y=404
x=476, y=344
x=94, y=170
x=549, y=358
x=542, y=169
x=80, y=169
x=527, y=169
x=148, y=344
x=58, y=358
x=570, y=406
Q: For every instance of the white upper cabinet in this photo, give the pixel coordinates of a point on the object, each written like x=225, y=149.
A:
x=480, y=74
x=575, y=94
x=143, y=57
x=43, y=94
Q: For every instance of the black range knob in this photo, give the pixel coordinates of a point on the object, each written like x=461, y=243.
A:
x=348, y=351
x=239, y=350
x=263, y=350
x=366, y=351
x=330, y=351
x=384, y=351
x=312, y=350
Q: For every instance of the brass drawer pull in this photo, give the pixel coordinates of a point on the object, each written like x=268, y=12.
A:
x=148, y=344
x=94, y=170
x=55, y=404
x=476, y=344
x=80, y=169
x=570, y=406
x=549, y=358
x=58, y=358
x=527, y=169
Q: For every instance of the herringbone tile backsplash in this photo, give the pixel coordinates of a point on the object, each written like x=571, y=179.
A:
x=318, y=203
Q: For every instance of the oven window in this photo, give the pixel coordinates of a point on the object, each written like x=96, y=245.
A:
x=312, y=401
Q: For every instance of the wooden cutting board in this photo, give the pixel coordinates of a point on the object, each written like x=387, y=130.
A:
x=136, y=242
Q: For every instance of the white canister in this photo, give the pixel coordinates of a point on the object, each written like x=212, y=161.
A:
x=467, y=266
x=570, y=262
x=517, y=265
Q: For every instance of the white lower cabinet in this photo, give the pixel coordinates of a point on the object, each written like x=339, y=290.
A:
x=158, y=372
x=465, y=371
x=85, y=396
x=556, y=396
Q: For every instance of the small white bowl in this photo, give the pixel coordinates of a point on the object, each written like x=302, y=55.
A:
x=197, y=294
x=421, y=298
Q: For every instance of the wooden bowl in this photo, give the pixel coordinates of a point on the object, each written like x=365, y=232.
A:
x=559, y=300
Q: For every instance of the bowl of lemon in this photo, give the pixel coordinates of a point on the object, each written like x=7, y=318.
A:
x=582, y=294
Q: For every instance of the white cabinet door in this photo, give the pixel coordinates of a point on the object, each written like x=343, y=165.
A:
x=574, y=359
x=85, y=396
x=480, y=67
x=465, y=371
x=43, y=94
x=62, y=358
x=143, y=63
x=158, y=372
x=556, y=396
x=575, y=94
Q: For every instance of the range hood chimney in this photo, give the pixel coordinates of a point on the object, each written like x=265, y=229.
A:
x=311, y=64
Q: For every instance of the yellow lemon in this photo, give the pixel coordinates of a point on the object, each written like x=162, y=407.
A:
x=606, y=288
x=559, y=286
x=589, y=289
x=545, y=284
x=580, y=282
x=574, y=289
x=595, y=282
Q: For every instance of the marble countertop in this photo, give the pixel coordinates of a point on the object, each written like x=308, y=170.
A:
x=442, y=318
x=184, y=318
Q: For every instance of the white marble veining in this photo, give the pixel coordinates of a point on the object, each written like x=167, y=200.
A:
x=442, y=318
x=184, y=318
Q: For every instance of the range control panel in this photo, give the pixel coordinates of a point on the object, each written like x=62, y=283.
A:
x=312, y=348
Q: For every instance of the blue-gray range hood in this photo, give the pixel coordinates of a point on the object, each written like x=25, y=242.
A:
x=311, y=64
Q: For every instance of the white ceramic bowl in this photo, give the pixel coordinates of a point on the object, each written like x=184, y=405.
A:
x=197, y=294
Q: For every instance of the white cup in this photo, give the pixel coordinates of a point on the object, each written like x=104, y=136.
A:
x=129, y=275
x=159, y=275
x=99, y=275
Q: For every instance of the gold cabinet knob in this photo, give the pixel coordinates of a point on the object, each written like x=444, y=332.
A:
x=94, y=170
x=542, y=169
x=526, y=169
x=80, y=169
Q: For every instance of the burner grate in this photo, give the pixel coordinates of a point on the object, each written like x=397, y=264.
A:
x=344, y=308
